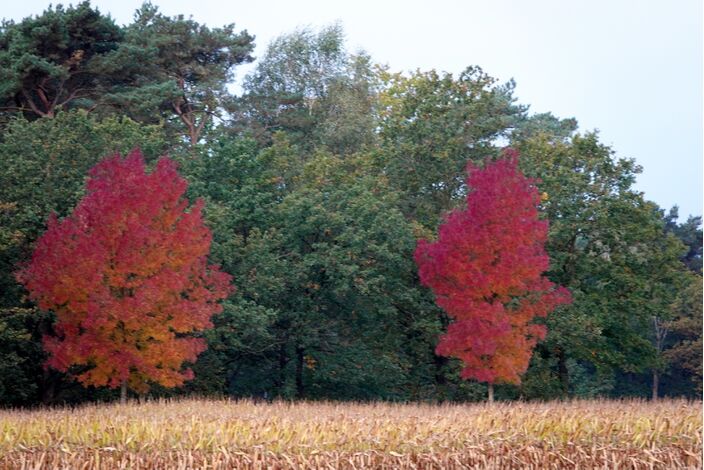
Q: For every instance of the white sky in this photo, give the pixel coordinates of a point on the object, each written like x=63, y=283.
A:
x=632, y=69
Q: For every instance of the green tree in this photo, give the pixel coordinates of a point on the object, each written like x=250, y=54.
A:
x=308, y=86
x=690, y=233
x=349, y=109
x=186, y=69
x=431, y=124
x=57, y=60
x=323, y=255
x=349, y=247
x=545, y=124
x=686, y=352
x=607, y=245
x=665, y=279
x=240, y=196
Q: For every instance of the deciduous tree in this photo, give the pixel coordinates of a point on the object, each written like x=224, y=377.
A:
x=45, y=162
x=127, y=276
x=686, y=353
x=308, y=86
x=486, y=272
x=607, y=246
x=430, y=125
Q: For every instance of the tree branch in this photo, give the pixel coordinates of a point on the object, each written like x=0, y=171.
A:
x=32, y=105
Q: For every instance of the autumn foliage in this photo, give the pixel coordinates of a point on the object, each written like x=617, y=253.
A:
x=486, y=272
x=127, y=277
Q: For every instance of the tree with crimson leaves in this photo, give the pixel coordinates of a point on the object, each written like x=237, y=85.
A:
x=485, y=270
x=127, y=276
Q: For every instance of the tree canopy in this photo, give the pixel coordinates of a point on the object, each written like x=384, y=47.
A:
x=486, y=270
x=57, y=60
x=126, y=275
x=318, y=171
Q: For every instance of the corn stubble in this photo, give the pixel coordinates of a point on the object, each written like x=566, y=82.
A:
x=222, y=434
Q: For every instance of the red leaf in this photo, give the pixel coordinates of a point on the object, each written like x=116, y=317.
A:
x=486, y=272
x=127, y=276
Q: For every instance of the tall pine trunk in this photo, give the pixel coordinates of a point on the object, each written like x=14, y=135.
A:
x=123, y=392
x=656, y=383
x=491, y=392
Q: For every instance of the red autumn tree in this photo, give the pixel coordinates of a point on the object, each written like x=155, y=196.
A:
x=485, y=270
x=127, y=276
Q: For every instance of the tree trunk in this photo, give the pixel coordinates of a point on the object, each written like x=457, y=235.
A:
x=48, y=384
x=192, y=133
x=123, y=392
x=49, y=377
x=562, y=371
x=280, y=382
x=661, y=331
x=299, y=372
x=491, y=392
x=440, y=379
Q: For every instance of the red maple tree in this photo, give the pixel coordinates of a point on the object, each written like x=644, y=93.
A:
x=485, y=270
x=127, y=276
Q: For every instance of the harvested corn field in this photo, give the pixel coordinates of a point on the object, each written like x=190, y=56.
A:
x=242, y=434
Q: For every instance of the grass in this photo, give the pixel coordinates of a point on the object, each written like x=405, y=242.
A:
x=242, y=434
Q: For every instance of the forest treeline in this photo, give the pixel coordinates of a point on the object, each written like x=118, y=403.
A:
x=319, y=176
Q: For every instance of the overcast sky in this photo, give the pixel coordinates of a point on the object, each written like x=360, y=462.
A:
x=631, y=69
